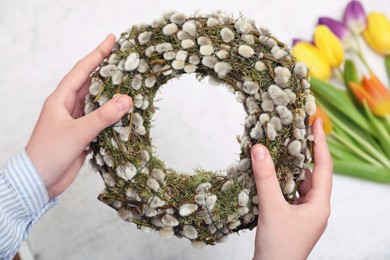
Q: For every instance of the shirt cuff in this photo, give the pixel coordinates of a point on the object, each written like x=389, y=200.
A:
x=29, y=186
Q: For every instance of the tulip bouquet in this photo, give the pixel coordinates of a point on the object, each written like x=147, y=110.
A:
x=357, y=115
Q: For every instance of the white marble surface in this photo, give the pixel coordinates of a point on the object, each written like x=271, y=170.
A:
x=40, y=41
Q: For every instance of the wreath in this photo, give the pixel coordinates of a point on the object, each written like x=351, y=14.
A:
x=256, y=67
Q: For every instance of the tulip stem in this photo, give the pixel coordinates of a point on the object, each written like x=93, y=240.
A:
x=359, y=53
x=387, y=66
x=340, y=151
x=356, y=150
x=362, y=170
x=383, y=134
x=339, y=74
x=387, y=120
x=363, y=143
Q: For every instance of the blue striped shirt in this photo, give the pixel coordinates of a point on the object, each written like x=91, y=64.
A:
x=23, y=200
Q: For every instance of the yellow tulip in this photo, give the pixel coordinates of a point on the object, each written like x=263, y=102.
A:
x=328, y=43
x=377, y=33
x=314, y=59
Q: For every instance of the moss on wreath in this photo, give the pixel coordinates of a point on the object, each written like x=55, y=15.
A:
x=256, y=67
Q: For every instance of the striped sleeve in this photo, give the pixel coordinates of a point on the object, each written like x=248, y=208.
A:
x=23, y=200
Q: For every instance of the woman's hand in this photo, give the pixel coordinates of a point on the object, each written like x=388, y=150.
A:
x=287, y=231
x=57, y=144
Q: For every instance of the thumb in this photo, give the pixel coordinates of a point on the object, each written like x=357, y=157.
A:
x=268, y=189
x=106, y=115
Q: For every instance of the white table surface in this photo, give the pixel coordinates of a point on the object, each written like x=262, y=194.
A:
x=41, y=40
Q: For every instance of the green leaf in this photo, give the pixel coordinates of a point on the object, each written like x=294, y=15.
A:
x=357, y=130
x=384, y=135
x=339, y=100
x=362, y=170
x=362, y=144
x=350, y=72
x=351, y=75
x=387, y=65
x=356, y=149
x=332, y=112
x=386, y=122
x=350, y=126
x=339, y=151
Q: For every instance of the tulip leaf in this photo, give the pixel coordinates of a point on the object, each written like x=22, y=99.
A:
x=362, y=170
x=362, y=142
x=387, y=65
x=357, y=130
x=356, y=149
x=386, y=122
x=350, y=72
x=331, y=111
x=339, y=151
x=384, y=135
x=339, y=100
x=351, y=75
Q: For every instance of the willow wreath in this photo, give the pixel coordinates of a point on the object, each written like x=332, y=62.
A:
x=259, y=69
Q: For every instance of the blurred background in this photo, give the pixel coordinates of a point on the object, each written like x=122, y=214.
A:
x=196, y=126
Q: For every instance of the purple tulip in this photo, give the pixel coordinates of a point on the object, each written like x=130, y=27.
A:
x=339, y=29
x=355, y=17
x=296, y=40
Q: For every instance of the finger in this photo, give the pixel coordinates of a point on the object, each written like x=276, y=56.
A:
x=304, y=188
x=268, y=188
x=78, y=109
x=89, y=126
x=80, y=73
x=83, y=92
x=306, y=185
x=323, y=165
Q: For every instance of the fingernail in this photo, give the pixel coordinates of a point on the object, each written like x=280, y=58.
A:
x=122, y=103
x=105, y=39
x=258, y=152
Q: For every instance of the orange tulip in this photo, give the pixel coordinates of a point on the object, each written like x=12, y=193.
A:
x=374, y=93
x=326, y=123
